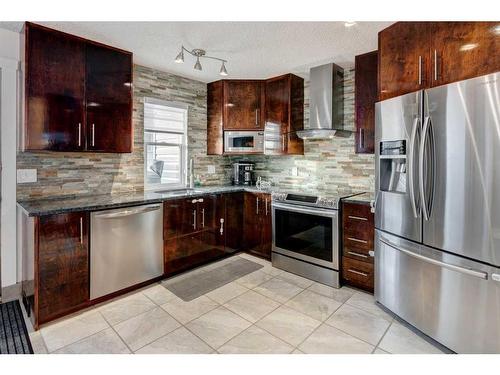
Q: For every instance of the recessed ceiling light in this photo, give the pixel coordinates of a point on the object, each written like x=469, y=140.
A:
x=468, y=47
x=349, y=23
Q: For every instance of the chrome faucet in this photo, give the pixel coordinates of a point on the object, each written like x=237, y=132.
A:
x=191, y=173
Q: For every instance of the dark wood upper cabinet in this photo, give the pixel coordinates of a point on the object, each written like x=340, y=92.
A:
x=109, y=99
x=63, y=262
x=462, y=50
x=419, y=55
x=284, y=112
x=55, y=91
x=243, y=105
x=365, y=96
x=78, y=93
x=403, y=58
x=215, y=120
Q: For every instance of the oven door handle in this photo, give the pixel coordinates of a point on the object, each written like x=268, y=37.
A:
x=311, y=211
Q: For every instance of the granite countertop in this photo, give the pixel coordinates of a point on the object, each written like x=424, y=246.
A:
x=367, y=197
x=56, y=205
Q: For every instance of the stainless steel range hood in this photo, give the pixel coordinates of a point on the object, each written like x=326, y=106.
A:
x=326, y=105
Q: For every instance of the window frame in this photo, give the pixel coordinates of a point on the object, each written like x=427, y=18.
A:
x=183, y=147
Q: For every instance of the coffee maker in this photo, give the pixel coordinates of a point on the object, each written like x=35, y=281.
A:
x=243, y=173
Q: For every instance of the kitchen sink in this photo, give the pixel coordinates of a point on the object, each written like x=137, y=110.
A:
x=180, y=192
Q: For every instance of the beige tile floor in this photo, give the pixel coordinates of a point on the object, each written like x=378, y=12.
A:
x=267, y=311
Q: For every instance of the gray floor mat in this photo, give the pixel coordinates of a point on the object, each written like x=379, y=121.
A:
x=201, y=283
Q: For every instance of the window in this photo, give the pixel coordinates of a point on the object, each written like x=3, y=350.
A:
x=165, y=144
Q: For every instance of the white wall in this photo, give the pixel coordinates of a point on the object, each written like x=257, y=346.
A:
x=9, y=63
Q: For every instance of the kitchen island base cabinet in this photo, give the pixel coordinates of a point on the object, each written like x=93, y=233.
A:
x=55, y=275
x=257, y=229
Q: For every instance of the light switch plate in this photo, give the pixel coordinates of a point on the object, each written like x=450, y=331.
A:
x=211, y=169
x=26, y=176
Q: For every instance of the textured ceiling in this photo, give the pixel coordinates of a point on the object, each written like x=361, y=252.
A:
x=253, y=49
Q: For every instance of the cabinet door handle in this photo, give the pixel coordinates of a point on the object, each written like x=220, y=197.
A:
x=283, y=143
x=419, y=70
x=356, y=240
x=221, y=226
x=92, y=129
x=357, y=218
x=357, y=272
x=266, y=206
x=257, y=117
x=257, y=205
x=79, y=134
x=362, y=137
x=203, y=218
x=357, y=254
x=435, y=65
x=194, y=219
x=81, y=230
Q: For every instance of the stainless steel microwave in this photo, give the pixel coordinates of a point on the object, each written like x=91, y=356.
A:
x=249, y=141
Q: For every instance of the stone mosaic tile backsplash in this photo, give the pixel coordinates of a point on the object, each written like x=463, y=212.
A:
x=325, y=165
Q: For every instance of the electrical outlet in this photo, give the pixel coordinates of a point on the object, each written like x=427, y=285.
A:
x=211, y=169
x=26, y=176
x=294, y=171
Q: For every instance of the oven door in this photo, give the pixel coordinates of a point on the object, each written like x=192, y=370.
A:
x=308, y=234
x=244, y=141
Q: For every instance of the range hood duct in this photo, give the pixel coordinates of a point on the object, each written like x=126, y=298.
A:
x=326, y=103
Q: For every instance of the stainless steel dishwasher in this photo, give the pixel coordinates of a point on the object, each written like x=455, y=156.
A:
x=126, y=247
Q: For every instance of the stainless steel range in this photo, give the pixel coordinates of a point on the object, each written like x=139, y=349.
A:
x=305, y=236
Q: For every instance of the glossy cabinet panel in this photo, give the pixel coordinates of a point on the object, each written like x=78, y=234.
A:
x=404, y=62
x=109, y=99
x=365, y=96
x=63, y=261
x=55, y=91
x=462, y=50
x=78, y=93
x=257, y=229
x=215, y=121
x=243, y=105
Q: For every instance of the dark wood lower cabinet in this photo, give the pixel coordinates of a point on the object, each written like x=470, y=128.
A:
x=61, y=274
x=357, y=245
x=257, y=228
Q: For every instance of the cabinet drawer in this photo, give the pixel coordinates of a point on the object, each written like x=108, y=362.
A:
x=358, y=240
x=358, y=254
x=357, y=213
x=356, y=273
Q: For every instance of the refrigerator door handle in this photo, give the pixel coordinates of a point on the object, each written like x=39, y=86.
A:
x=411, y=167
x=422, y=181
x=466, y=271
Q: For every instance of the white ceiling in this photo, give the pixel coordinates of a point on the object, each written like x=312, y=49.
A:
x=253, y=49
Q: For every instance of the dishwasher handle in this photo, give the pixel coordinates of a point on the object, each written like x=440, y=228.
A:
x=127, y=212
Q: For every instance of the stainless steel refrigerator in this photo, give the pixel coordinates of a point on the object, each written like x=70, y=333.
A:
x=437, y=212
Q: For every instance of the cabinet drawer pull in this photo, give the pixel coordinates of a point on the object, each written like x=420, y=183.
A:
x=81, y=230
x=357, y=272
x=79, y=134
x=419, y=70
x=194, y=219
x=357, y=218
x=357, y=240
x=357, y=254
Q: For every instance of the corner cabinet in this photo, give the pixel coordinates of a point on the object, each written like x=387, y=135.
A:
x=78, y=93
x=275, y=106
x=419, y=55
